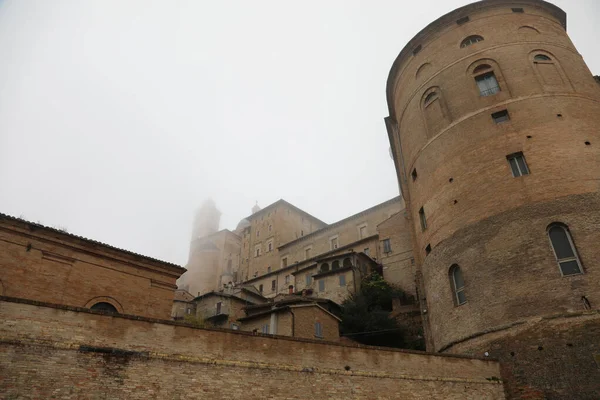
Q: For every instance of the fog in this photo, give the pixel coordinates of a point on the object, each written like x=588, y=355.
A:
x=118, y=118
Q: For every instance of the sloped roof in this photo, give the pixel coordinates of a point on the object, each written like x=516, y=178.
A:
x=33, y=226
x=283, y=202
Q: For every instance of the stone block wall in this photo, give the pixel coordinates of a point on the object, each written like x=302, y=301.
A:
x=65, y=352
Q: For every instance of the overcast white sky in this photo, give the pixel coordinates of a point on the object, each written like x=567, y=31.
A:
x=117, y=118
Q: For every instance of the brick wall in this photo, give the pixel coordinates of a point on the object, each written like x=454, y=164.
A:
x=46, y=265
x=398, y=264
x=61, y=352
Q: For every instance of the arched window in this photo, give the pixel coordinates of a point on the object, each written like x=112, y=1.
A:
x=564, y=250
x=457, y=284
x=471, y=40
x=324, y=267
x=335, y=264
x=541, y=57
x=548, y=70
x=104, y=307
x=347, y=262
x=430, y=98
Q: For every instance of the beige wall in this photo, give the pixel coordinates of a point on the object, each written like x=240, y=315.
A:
x=398, y=264
x=306, y=317
x=42, y=264
x=224, y=365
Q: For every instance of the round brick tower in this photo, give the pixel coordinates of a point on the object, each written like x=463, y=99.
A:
x=495, y=131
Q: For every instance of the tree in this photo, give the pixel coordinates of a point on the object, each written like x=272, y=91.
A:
x=366, y=315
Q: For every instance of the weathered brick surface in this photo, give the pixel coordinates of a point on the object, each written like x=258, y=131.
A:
x=42, y=356
x=42, y=264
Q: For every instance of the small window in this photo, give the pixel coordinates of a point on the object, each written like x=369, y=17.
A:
x=347, y=263
x=362, y=232
x=260, y=288
x=387, y=246
x=458, y=285
x=321, y=285
x=287, y=279
x=318, y=330
x=423, y=219
x=270, y=228
x=265, y=329
x=273, y=285
x=324, y=267
x=257, y=254
x=518, y=165
x=284, y=262
x=302, y=233
x=270, y=246
x=366, y=251
x=268, y=270
x=517, y=10
x=564, y=250
x=428, y=249
x=104, y=307
x=487, y=84
x=257, y=233
x=218, y=306
x=308, y=279
x=333, y=242
x=416, y=50
x=430, y=98
x=335, y=265
x=462, y=20
x=541, y=57
x=307, y=253
x=343, y=280
x=235, y=327
x=414, y=174
x=471, y=40
x=500, y=116
x=188, y=311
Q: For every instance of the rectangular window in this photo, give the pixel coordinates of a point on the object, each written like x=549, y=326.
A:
x=284, y=262
x=268, y=270
x=462, y=20
x=517, y=10
x=308, y=279
x=333, y=243
x=260, y=288
x=265, y=329
x=321, y=285
x=219, y=304
x=366, y=251
x=318, y=330
x=287, y=279
x=500, y=116
x=188, y=311
x=362, y=232
x=487, y=84
x=387, y=246
x=257, y=250
x=343, y=280
x=273, y=285
x=422, y=219
x=270, y=246
x=307, y=253
x=518, y=165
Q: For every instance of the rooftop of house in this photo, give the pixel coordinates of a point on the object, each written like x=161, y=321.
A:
x=64, y=235
x=288, y=307
x=272, y=206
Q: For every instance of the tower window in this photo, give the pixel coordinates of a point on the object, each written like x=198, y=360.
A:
x=416, y=50
x=518, y=165
x=428, y=249
x=541, y=57
x=458, y=285
x=430, y=98
x=462, y=20
x=414, y=174
x=500, y=116
x=423, y=219
x=486, y=82
x=517, y=10
x=471, y=40
x=564, y=250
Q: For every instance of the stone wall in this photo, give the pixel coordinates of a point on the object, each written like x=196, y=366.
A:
x=64, y=352
x=45, y=264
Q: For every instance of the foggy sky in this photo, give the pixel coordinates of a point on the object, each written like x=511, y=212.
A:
x=117, y=118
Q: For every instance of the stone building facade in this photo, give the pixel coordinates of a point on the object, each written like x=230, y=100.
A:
x=493, y=126
x=53, y=266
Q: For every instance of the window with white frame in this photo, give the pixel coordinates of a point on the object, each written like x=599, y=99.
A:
x=458, y=285
x=518, y=165
x=387, y=246
x=564, y=250
x=318, y=330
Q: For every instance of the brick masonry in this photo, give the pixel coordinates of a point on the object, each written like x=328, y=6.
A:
x=62, y=352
